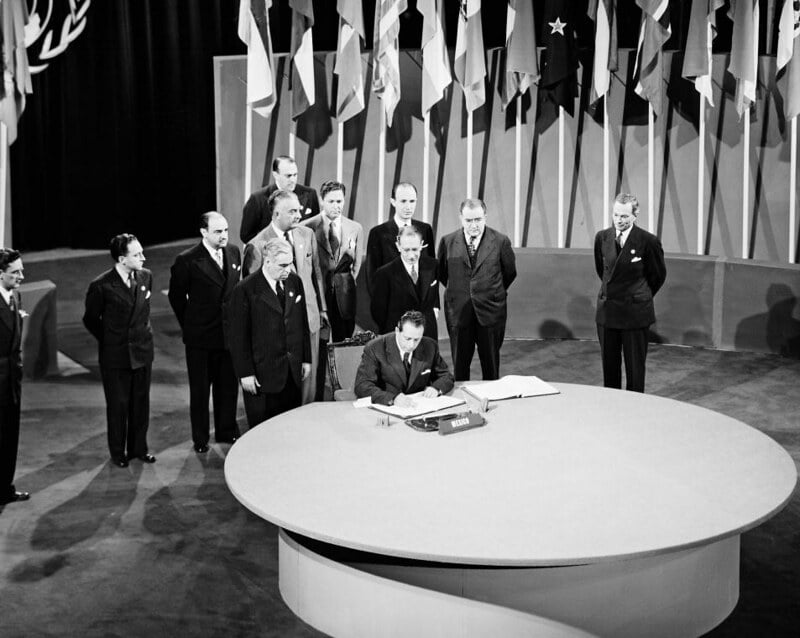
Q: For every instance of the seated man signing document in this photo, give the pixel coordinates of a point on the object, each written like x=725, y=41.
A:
x=401, y=363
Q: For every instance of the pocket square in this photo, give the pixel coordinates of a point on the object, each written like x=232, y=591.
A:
x=435, y=281
x=428, y=371
x=147, y=296
x=635, y=259
x=235, y=266
x=299, y=297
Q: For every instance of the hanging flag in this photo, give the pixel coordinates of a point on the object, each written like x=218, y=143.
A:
x=302, y=56
x=350, y=89
x=697, y=59
x=435, y=65
x=558, y=83
x=469, y=64
x=744, y=51
x=386, y=54
x=17, y=76
x=788, y=55
x=254, y=32
x=654, y=32
x=604, y=15
x=522, y=63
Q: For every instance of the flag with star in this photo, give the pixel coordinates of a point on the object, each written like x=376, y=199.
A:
x=435, y=63
x=522, y=63
x=302, y=56
x=386, y=54
x=654, y=31
x=697, y=59
x=558, y=83
x=254, y=32
x=469, y=64
x=604, y=15
x=744, y=51
x=350, y=87
x=788, y=55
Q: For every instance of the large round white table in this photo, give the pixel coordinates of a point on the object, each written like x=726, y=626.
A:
x=590, y=512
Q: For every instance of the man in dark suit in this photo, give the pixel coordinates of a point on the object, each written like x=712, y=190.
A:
x=257, y=214
x=410, y=282
x=630, y=264
x=402, y=363
x=269, y=335
x=117, y=314
x=340, y=243
x=476, y=266
x=382, y=240
x=11, y=275
x=200, y=285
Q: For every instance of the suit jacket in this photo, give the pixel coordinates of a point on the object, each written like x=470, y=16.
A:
x=382, y=245
x=382, y=376
x=628, y=282
x=484, y=287
x=10, y=354
x=306, y=261
x=267, y=341
x=199, y=293
x=119, y=318
x=395, y=293
x=256, y=215
x=339, y=272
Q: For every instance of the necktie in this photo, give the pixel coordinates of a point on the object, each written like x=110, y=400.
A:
x=218, y=258
x=407, y=364
x=414, y=275
x=288, y=238
x=471, y=247
x=619, y=243
x=333, y=240
x=12, y=304
x=281, y=294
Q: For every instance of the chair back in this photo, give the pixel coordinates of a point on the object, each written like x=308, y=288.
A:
x=343, y=360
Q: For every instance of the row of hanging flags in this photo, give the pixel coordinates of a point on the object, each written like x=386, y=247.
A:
x=559, y=62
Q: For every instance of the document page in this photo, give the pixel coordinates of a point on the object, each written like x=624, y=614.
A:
x=421, y=406
x=510, y=387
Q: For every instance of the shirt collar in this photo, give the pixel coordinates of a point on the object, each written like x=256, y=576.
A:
x=625, y=234
x=212, y=251
x=401, y=222
x=399, y=349
x=6, y=294
x=126, y=277
x=273, y=283
x=408, y=267
x=477, y=239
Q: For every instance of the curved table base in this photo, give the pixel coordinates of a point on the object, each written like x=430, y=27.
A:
x=349, y=593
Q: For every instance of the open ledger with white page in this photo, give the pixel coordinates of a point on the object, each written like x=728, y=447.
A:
x=421, y=405
x=512, y=386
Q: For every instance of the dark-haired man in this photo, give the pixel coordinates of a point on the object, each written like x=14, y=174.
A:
x=11, y=275
x=117, y=313
x=382, y=240
x=401, y=363
x=257, y=215
x=200, y=285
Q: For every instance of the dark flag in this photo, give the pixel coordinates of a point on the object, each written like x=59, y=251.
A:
x=559, y=82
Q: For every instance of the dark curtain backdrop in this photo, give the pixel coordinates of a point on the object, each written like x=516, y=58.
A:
x=118, y=135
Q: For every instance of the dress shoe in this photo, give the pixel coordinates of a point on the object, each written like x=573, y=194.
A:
x=231, y=439
x=201, y=449
x=14, y=497
x=119, y=461
x=146, y=458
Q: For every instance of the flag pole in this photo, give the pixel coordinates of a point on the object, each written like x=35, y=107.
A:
x=792, y=189
x=606, y=144
x=339, y=150
x=469, y=153
x=745, y=184
x=651, y=215
x=292, y=135
x=701, y=154
x=3, y=182
x=560, y=242
x=381, y=161
x=248, y=151
x=426, y=147
x=517, y=170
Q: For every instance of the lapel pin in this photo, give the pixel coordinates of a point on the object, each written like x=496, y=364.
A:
x=143, y=288
x=633, y=251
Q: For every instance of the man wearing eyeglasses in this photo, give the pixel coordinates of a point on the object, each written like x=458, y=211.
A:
x=269, y=336
x=11, y=275
x=476, y=266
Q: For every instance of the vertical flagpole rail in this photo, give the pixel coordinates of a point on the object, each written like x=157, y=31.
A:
x=606, y=144
x=381, y=162
x=248, y=152
x=426, y=149
x=517, y=171
x=3, y=183
x=560, y=239
x=792, y=191
x=745, y=184
x=651, y=205
x=701, y=154
x=339, y=150
x=469, y=154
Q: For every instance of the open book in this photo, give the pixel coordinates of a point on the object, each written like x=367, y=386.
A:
x=421, y=406
x=511, y=386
